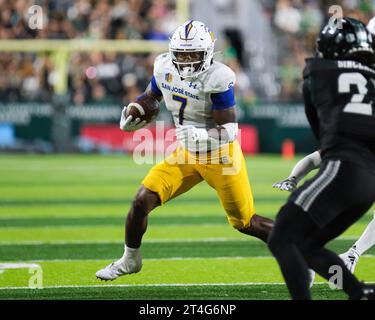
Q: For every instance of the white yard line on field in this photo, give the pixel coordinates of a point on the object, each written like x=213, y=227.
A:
x=16, y=265
x=62, y=227
x=145, y=259
x=220, y=239
x=37, y=242
x=156, y=285
x=161, y=259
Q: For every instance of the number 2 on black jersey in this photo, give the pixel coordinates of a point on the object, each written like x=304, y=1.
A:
x=355, y=105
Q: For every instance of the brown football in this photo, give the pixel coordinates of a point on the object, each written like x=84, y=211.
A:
x=144, y=107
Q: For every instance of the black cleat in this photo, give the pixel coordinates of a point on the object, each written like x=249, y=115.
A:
x=368, y=293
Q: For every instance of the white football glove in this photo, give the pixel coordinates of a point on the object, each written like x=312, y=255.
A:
x=289, y=184
x=190, y=133
x=127, y=123
x=371, y=26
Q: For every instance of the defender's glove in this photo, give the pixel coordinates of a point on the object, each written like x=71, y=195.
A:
x=289, y=184
x=127, y=123
x=190, y=133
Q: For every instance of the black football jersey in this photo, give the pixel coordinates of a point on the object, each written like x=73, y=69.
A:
x=340, y=106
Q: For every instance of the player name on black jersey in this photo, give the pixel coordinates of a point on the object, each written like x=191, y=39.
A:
x=347, y=64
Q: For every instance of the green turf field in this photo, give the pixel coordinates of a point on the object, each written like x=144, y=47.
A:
x=66, y=214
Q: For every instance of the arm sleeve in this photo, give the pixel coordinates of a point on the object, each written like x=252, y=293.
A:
x=223, y=100
x=305, y=165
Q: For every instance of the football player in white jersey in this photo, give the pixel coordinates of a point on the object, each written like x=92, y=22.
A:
x=199, y=92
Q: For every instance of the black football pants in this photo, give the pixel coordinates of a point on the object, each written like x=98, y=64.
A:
x=319, y=211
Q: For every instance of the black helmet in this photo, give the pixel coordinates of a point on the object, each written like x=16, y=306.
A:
x=351, y=41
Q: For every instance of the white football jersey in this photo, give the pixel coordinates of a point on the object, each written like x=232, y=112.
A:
x=191, y=100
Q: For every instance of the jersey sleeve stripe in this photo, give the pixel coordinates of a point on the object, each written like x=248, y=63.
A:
x=154, y=87
x=223, y=100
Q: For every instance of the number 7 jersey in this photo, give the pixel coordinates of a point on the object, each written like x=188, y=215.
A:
x=191, y=101
x=340, y=106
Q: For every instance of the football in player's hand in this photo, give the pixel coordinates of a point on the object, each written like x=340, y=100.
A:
x=144, y=107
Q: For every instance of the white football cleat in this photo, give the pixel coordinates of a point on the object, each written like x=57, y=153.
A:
x=119, y=268
x=350, y=259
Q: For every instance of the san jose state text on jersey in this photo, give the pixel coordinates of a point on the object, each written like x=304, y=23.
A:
x=179, y=91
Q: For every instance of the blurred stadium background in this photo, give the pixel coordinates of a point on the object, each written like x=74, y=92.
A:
x=62, y=88
x=91, y=57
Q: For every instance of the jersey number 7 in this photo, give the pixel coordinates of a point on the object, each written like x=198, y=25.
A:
x=183, y=102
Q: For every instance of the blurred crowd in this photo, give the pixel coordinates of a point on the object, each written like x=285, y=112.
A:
x=114, y=78
x=297, y=24
x=93, y=77
x=95, y=19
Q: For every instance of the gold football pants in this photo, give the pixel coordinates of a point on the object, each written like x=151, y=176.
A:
x=225, y=171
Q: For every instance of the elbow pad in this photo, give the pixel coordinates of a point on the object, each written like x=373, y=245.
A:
x=232, y=130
